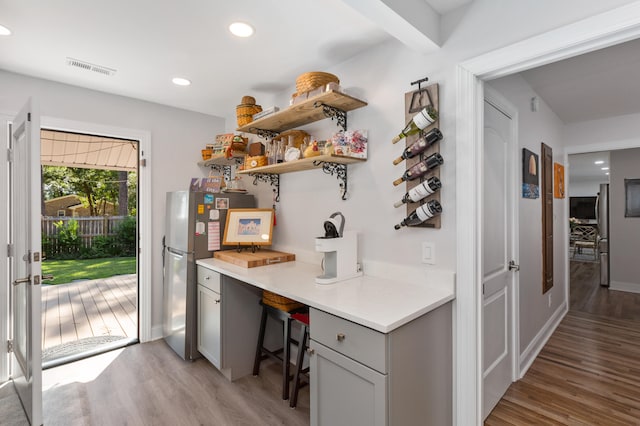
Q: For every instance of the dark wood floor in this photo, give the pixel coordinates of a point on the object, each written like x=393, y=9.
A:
x=588, y=373
x=147, y=384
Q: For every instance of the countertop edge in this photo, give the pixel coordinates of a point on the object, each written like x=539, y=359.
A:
x=446, y=294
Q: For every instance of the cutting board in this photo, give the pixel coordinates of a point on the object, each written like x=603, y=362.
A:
x=251, y=260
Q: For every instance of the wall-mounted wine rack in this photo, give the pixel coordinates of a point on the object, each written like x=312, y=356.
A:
x=414, y=102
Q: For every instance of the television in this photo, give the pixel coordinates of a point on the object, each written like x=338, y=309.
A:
x=582, y=207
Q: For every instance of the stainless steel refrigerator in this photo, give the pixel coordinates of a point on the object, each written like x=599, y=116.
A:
x=602, y=217
x=194, y=227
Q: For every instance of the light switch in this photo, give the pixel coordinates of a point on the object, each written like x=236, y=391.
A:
x=428, y=253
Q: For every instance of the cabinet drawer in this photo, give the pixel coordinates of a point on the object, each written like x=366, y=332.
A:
x=362, y=344
x=208, y=278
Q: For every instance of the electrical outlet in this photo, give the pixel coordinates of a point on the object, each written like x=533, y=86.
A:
x=549, y=300
x=428, y=253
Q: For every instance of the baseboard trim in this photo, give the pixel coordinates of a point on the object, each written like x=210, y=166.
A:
x=156, y=332
x=533, y=349
x=622, y=286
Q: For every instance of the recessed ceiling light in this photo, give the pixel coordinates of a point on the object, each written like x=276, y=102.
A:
x=607, y=173
x=179, y=81
x=598, y=162
x=4, y=30
x=240, y=29
x=604, y=168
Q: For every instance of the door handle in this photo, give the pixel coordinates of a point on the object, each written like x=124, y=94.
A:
x=513, y=266
x=22, y=280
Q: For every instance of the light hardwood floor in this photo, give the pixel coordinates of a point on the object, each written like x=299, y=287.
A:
x=148, y=384
x=588, y=373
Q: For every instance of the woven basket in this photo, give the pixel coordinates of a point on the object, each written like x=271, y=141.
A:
x=255, y=161
x=280, y=302
x=298, y=137
x=312, y=80
x=244, y=113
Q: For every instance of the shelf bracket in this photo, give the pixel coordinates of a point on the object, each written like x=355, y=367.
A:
x=337, y=169
x=224, y=169
x=266, y=134
x=334, y=113
x=270, y=178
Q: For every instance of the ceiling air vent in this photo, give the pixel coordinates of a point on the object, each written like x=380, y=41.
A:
x=90, y=67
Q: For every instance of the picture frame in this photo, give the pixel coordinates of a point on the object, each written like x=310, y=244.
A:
x=558, y=180
x=632, y=198
x=248, y=227
x=530, y=188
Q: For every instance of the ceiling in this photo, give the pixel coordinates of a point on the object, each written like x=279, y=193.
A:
x=148, y=43
x=582, y=167
x=596, y=85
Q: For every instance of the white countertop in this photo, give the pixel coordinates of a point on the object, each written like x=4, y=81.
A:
x=377, y=303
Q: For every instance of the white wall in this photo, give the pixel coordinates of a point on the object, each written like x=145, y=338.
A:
x=624, y=232
x=176, y=139
x=585, y=188
x=534, y=128
x=381, y=76
x=602, y=135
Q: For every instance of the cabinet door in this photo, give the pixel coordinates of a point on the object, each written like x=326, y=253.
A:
x=209, y=337
x=345, y=392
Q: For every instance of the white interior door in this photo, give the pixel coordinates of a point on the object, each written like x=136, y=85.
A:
x=25, y=261
x=497, y=253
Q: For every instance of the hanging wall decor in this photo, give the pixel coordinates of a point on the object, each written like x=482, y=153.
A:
x=632, y=198
x=558, y=180
x=530, y=188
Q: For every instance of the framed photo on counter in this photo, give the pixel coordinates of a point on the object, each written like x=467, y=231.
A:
x=248, y=227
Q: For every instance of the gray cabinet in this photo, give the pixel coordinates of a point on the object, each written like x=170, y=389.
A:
x=344, y=391
x=209, y=329
x=228, y=322
x=360, y=376
x=209, y=315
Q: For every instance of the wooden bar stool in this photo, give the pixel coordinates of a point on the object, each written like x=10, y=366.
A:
x=280, y=309
x=303, y=343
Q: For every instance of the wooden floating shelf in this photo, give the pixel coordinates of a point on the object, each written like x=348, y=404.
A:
x=303, y=164
x=222, y=160
x=302, y=113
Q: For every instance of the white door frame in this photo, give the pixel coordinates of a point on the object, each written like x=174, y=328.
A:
x=144, y=203
x=599, y=31
x=4, y=238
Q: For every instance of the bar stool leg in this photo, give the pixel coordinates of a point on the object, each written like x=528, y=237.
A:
x=286, y=359
x=302, y=347
x=263, y=327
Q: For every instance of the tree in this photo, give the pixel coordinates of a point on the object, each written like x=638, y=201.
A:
x=94, y=186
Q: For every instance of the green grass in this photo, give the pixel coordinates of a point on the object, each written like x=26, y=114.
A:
x=65, y=271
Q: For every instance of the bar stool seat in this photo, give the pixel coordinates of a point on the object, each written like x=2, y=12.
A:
x=303, y=344
x=282, y=354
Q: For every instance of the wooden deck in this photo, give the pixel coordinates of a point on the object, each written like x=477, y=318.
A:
x=92, y=308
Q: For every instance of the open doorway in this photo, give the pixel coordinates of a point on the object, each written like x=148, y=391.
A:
x=89, y=240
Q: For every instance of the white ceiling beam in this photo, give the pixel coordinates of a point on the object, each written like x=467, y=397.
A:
x=413, y=22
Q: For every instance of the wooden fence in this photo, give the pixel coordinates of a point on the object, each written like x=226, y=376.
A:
x=88, y=229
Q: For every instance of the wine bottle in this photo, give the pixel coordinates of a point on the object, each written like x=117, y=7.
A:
x=419, y=121
x=420, y=169
x=421, y=191
x=420, y=145
x=423, y=213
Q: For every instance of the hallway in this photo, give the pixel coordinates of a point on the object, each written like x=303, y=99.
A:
x=588, y=371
